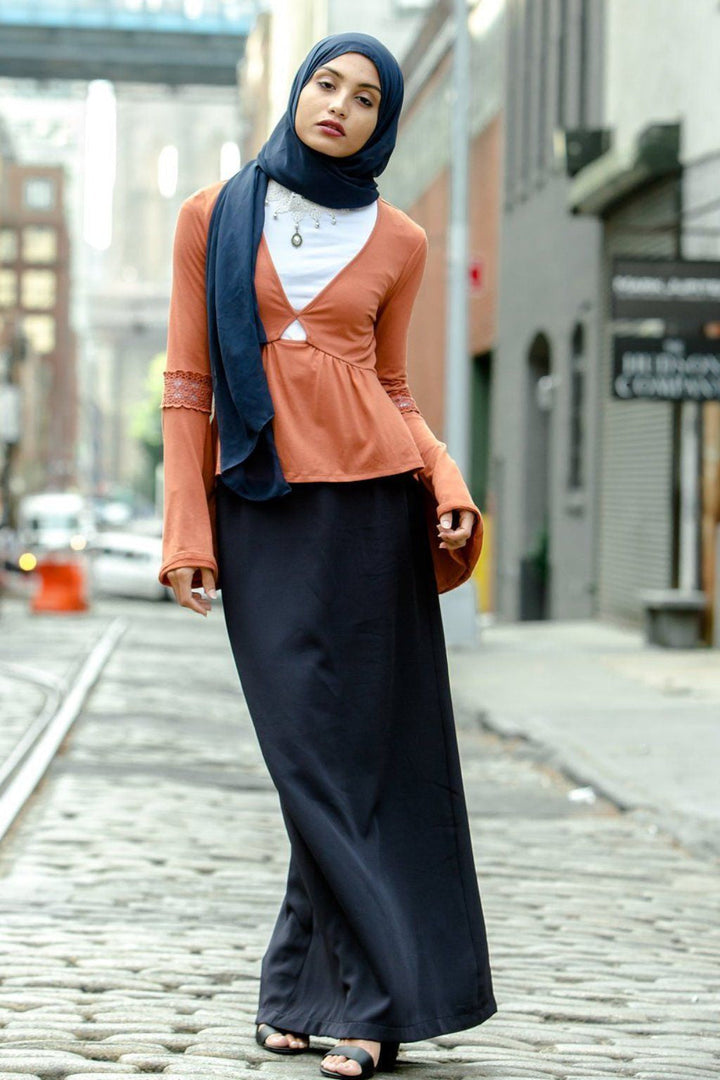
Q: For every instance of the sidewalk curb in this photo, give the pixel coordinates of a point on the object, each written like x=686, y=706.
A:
x=696, y=835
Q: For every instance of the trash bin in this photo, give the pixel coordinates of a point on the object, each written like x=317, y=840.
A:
x=673, y=617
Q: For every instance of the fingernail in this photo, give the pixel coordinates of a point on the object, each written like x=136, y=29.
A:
x=211, y=592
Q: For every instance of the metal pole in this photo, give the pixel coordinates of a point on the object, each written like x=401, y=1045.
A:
x=457, y=383
x=458, y=606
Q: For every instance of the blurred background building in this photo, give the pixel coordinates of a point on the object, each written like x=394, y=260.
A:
x=36, y=338
x=590, y=139
x=646, y=173
x=169, y=142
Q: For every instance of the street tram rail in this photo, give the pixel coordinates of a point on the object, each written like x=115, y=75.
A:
x=24, y=767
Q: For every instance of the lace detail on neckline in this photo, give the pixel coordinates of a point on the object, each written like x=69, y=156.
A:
x=187, y=390
x=283, y=199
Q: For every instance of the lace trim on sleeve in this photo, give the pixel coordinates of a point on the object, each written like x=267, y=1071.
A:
x=187, y=390
x=401, y=396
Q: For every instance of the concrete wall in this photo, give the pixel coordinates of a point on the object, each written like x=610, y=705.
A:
x=548, y=284
x=394, y=24
x=549, y=266
x=662, y=64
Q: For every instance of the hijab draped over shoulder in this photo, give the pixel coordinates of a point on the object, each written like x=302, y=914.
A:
x=243, y=407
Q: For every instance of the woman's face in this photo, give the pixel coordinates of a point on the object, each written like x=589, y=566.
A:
x=347, y=91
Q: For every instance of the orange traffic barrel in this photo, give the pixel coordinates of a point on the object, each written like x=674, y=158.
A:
x=63, y=587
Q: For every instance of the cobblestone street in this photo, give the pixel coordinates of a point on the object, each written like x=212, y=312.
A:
x=140, y=887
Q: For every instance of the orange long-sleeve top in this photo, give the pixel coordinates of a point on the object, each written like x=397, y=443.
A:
x=343, y=407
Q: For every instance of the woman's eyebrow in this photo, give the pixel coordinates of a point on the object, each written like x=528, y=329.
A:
x=339, y=75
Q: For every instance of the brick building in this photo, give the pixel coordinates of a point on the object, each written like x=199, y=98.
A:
x=35, y=316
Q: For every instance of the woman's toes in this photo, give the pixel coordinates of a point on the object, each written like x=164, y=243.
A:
x=287, y=1039
x=348, y=1066
x=276, y=1039
x=339, y=1063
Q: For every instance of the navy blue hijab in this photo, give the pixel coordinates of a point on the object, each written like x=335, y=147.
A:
x=248, y=459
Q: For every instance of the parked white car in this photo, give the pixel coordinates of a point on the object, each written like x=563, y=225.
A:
x=127, y=564
x=55, y=521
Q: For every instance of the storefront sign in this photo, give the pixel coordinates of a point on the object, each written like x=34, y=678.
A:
x=681, y=290
x=666, y=369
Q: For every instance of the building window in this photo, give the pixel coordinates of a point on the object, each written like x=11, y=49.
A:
x=8, y=288
x=39, y=244
x=40, y=332
x=8, y=245
x=38, y=289
x=576, y=455
x=39, y=193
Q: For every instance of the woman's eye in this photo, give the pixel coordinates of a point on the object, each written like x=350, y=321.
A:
x=325, y=82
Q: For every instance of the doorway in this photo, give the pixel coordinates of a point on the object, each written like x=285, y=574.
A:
x=535, y=561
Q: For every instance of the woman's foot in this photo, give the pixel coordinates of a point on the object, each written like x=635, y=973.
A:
x=288, y=1039
x=339, y=1063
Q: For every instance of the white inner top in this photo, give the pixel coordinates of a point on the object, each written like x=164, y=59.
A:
x=304, y=271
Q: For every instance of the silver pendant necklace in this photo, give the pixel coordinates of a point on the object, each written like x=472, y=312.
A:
x=285, y=201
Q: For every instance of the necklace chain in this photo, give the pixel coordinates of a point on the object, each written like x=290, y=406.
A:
x=283, y=200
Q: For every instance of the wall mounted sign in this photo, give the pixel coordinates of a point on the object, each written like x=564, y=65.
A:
x=682, y=290
x=666, y=369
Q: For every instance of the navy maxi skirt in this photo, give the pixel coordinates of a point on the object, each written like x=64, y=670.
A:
x=334, y=622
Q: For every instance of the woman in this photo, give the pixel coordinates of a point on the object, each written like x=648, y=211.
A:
x=306, y=499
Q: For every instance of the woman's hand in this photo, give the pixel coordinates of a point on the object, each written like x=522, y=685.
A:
x=455, y=538
x=181, y=581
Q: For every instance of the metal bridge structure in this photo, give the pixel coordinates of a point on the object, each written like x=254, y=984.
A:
x=175, y=42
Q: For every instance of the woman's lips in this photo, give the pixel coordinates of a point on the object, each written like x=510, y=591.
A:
x=330, y=130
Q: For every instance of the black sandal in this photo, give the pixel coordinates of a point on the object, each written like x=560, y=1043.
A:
x=388, y=1057
x=386, y=1060
x=264, y=1031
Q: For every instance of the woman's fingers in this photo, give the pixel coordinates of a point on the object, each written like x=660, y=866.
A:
x=208, y=581
x=181, y=581
x=455, y=538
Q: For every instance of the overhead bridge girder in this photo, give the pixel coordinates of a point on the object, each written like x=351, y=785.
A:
x=150, y=56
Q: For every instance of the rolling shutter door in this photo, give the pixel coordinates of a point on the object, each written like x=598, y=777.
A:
x=636, y=462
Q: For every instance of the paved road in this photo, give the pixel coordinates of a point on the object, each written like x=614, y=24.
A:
x=139, y=889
